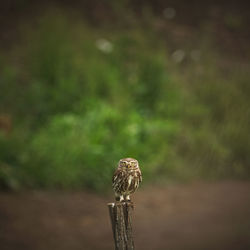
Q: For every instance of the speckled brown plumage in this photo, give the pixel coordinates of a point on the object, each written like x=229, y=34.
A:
x=126, y=178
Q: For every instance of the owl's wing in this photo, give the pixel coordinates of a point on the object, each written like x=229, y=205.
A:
x=117, y=177
x=118, y=181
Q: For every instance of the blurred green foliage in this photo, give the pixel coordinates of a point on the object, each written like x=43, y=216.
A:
x=81, y=98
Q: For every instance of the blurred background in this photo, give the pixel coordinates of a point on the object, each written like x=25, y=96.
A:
x=85, y=83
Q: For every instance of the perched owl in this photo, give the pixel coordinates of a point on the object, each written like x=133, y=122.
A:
x=126, y=178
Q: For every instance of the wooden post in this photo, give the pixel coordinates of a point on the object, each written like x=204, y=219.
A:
x=120, y=216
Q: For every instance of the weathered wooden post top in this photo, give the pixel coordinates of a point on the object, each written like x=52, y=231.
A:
x=126, y=180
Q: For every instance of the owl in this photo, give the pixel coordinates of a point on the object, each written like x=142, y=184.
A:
x=126, y=179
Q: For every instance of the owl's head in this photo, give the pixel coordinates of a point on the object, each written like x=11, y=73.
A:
x=128, y=163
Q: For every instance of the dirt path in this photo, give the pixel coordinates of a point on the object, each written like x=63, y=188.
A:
x=193, y=216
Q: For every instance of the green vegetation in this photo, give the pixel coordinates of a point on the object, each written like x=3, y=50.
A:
x=81, y=98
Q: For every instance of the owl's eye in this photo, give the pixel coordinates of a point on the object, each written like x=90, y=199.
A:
x=133, y=164
x=123, y=164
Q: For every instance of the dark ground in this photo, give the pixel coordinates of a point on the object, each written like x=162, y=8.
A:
x=189, y=216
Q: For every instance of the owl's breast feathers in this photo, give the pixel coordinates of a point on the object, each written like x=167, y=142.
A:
x=126, y=182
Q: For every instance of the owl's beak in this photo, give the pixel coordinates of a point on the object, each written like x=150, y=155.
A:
x=129, y=165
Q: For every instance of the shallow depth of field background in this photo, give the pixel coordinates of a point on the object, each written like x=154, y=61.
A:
x=85, y=83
